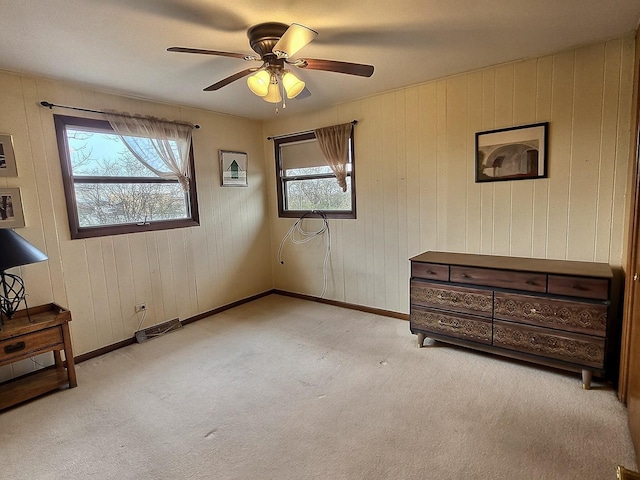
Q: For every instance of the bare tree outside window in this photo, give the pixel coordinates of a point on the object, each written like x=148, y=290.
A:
x=316, y=194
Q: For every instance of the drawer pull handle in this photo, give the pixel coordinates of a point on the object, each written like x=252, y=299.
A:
x=580, y=288
x=15, y=347
x=464, y=275
x=531, y=282
x=451, y=325
x=429, y=272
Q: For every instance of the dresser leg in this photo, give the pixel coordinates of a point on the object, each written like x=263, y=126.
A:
x=586, y=379
x=421, y=337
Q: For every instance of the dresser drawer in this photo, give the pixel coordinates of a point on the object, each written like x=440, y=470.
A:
x=449, y=297
x=531, y=282
x=29, y=344
x=579, y=317
x=569, y=347
x=430, y=271
x=462, y=326
x=596, y=288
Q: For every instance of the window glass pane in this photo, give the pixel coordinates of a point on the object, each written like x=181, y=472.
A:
x=102, y=154
x=102, y=204
x=308, y=171
x=318, y=194
x=292, y=172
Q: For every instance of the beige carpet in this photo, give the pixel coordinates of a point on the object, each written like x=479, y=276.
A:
x=282, y=388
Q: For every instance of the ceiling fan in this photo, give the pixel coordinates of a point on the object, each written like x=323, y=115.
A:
x=275, y=44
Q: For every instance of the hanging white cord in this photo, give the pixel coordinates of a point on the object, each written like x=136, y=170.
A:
x=305, y=236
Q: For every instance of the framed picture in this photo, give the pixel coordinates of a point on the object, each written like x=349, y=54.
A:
x=515, y=153
x=233, y=168
x=7, y=159
x=11, y=215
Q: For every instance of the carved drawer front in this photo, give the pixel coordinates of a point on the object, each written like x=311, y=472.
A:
x=430, y=271
x=448, y=297
x=570, y=347
x=580, y=317
x=597, y=288
x=30, y=343
x=531, y=282
x=467, y=327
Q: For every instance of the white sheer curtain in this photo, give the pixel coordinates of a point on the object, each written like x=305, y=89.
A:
x=160, y=145
x=334, y=143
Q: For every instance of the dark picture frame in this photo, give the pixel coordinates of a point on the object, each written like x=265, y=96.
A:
x=514, y=153
x=7, y=158
x=233, y=169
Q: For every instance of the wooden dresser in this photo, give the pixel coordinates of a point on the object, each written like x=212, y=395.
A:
x=549, y=312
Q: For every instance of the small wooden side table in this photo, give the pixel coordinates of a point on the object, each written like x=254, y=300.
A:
x=21, y=337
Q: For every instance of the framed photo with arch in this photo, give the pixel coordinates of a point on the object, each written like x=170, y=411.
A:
x=515, y=153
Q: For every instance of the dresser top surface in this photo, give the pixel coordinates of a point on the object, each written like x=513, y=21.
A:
x=541, y=265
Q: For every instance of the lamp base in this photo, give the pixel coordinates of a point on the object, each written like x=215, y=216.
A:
x=12, y=295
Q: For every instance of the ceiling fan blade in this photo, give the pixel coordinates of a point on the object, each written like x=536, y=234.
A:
x=293, y=39
x=228, y=80
x=212, y=52
x=306, y=93
x=335, y=66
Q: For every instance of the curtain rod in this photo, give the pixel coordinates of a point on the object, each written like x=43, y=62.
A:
x=50, y=106
x=352, y=122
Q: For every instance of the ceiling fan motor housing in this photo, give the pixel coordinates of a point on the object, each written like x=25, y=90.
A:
x=264, y=36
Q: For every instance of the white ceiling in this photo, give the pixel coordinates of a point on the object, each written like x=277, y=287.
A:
x=120, y=45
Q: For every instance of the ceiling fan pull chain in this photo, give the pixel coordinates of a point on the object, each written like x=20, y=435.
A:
x=278, y=79
x=283, y=94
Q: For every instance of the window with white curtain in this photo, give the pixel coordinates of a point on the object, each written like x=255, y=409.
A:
x=109, y=191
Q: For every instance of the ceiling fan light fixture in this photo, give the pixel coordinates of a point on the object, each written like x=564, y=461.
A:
x=259, y=83
x=273, y=95
x=292, y=84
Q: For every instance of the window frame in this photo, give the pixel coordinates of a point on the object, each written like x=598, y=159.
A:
x=281, y=179
x=61, y=122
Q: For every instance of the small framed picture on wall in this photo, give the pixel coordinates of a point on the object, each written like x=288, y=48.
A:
x=11, y=215
x=233, y=168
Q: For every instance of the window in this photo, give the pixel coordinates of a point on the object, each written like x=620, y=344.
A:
x=306, y=183
x=111, y=192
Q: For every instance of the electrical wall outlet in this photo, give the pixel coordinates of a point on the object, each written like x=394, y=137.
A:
x=141, y=307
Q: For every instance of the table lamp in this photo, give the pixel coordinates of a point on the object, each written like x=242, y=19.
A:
x=14, y=252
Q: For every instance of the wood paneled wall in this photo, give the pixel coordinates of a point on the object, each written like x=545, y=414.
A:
x=416, y=182
x=415, y=185
x=178, y=273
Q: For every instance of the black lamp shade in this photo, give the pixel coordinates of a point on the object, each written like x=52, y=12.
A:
x=16, y=251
